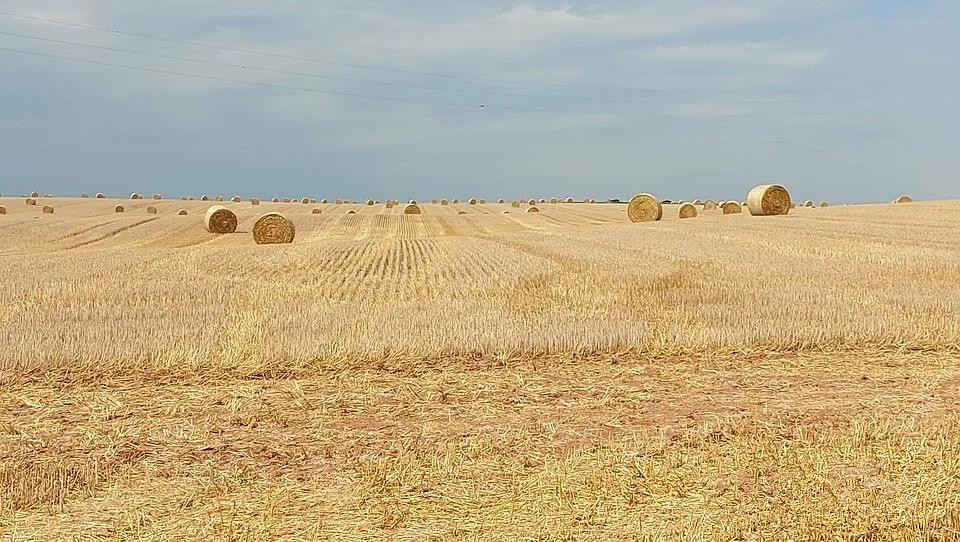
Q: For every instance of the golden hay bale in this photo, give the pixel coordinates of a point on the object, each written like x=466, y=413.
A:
x=47, y=209
x=542, y=200
x=532, y=210
x=531, y=202
x=151, y=210
x=443, y=202
x=568, y=200
x=30, y=201
x=118, y=209
x=190, y=198
x=157, y=197
x=709, y=205
x=235, y=199
x=100, y=196
x=204, y=198
x=219, y=219
x=903, y=199
x=411, y=209
x=323, y=200
x=369, y=202
x=688, y=210
x=315, y=211
x=483, y=202
x=254, y=201
x=390, y=205
x=769, y=200
x=808, y=203
x=515, y=204
x=339, y=202
x=644, y=208
x=275, y=200
x=273, y=229
x=455, y=200
x=184, y=198
x=472, y=201
x=219, y=198
x=743, y=204
x=48, y=195
x=697, y=202
x=433, y=201
x=305, y=201
x=824, y=204
x=500, y=200
x=412, y=202
x=505, y=212
x=34, y=194
x=84, y=195
x=731, y=208
x=3, y=210
x=182, y=212
x=554, y=201
x=591, y=200
x=135, y=196
x=351, y=212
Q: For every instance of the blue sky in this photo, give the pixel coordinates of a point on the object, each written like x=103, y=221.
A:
x=842, y=100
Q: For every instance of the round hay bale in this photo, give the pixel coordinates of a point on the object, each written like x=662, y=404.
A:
x=275, y=200
x=709, y=205
x=903, y=199
x=688, y=210
x=591, y=200
x=824, y=204
x=219, y=198
x=47, y=209
x=219, y=219
x=184, y=198
x=455, y=200
x=48, y=195
x=644, y=208
x=157, y=197
x=769, y=200
x=339, y=202
x=500, y=200
x=808, y=203
x=254, y=201
x=483, y=202
x=351, y=212
x=743, y=204
x=532, y=210
x=444, y=202
x=34, y=194
x=204, y=198
x=182, y=212
x=235, y=199
x=118, y=209
x=731, y=208
x=315, y=211
x=84, y=195
x=472, y=201
x=515, y=204
x=433, y=202
x=305, y=201
x=412, y=202
x=99, y=196
x=323, y=201
x=190, y=198
x=411, y=209
x=390, y=205
x=135, y=196
x=697, y=202
x=3, y=210
x=369, y=202
x=461, y=212
x=531, y=202
x=151, y=210
x=568, y=200
x=542, y=200
x=554, y=201
x=273, y=229
x=30, y=201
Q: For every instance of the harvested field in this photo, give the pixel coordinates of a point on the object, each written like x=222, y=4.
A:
x=562, y=375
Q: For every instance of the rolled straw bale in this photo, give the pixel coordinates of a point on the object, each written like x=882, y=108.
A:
x=644, y=208
x=542, y=200
x=411, y=209
x=505, y=212
x=118, y=209
x=315, y=211
x=769, y=200
x=254, y=201
x=461, y=212
x=48, y=195
x=339, y=202
x=157, y=197
x=808, y=203
x=390, y=205
x=554, y=200
x=286, y=200
x=455, y=200
x=369, y=202
x=204, y=198
x=515, y=204
x=100, y=196
x=3, y=210
x=275, y=200
x=84, y=195
x=351, y=212
x=483, y=202
x=433, y=202
x=189, y=198
x=444, y=202
x=500, y=200
x=182, y=212
x=47, y=209
x=184, y=198
x=135, y=196
x=219, y=198
x=323, y=200
x=219, y=219
x=34, y=194
x=824, y=204
x=568, y=200
x=688, y=210
x=903, y=199
x=591, y=200
x=235, y=199
x=30, y=201
x=697, y=202
x=472, y=201
x=709, y=205
x=532, y=210
x=273, y=229
x=305, y=201
x=731, y=208
x=151, y=210
x=531, y=202
x=412, y=202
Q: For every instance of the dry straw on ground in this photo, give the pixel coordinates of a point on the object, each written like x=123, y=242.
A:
x=644, y=208
x=411, y=209
x=219, y=219
x=688, y=210
x=272, y=229
x=151, y=210
x=731, y=208
x=769, y=200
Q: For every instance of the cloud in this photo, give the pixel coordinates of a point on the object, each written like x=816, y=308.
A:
x=744, y=53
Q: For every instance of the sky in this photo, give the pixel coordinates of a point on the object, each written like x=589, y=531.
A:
x=840, y=100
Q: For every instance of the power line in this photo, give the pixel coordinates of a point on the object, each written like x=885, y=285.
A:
x=269, y=85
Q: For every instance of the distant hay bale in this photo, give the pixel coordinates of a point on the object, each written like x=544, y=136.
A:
x=219, y=219
x=369, y=202
x=286, y=200
x=532, y=210
x=254, y=201
x=219, y=198
x=808, y=203
x=47, y=209
x=273, y=229
x=688, y=210
x=351, y=212
x=515, y=204
x=118, y=209
x=483, y=202
x=444, y=202
x=903, y=199
x=824, y=204
x=391, y=205
x=697, y=202
x=568, y=200
x=412, y=202
x=99, y=196
x=3, y=210
x=34, y=194
x=339, y=202
x=182, y=212
x=184, y=198
x=433, y=202
x=731, y=208
x=323, y=200
x=472, y=201
x=84, y=195
x=235, y=199
x=48, y=195
x=554, y=201
x=275, y=200
x=204, y=198
x=455, y=200
x=315, y=211
x=411, y=209
x=151, y=210
x=305, y=201
x=709, y=205
x=190, y=198
x=644, y=208
x=30, y=201
x=135, y=196
x=769, y=200
x=500, y=200
x=591, y=200
x=542, y=200
x=531, y=202
x=157, y=197
x=461, y=212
